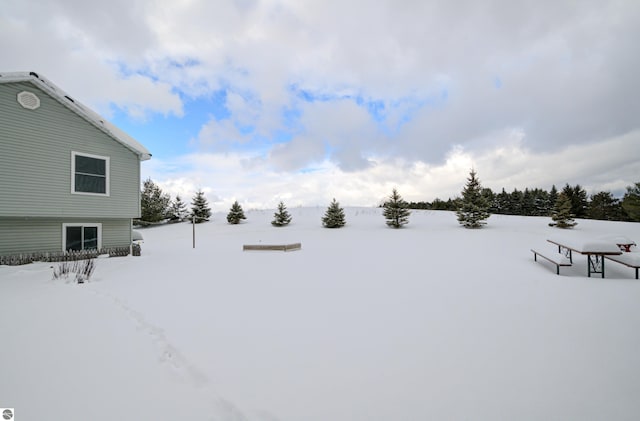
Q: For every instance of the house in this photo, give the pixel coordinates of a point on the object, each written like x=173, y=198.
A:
x=69, y=180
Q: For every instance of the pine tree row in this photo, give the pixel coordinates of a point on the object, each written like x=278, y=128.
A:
x=474, y=206
x=540, y=202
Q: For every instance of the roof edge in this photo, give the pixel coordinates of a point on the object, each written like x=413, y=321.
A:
x=83, y=111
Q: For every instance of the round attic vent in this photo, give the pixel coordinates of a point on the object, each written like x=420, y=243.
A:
x=28, y=100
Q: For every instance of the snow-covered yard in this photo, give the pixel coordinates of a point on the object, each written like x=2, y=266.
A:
x=431, y=321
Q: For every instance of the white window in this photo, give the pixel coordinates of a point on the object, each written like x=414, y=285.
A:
x=81, y=236
x=89, y=174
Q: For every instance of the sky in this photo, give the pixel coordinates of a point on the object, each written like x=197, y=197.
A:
x=305, y=101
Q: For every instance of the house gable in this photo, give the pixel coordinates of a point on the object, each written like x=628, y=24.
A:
x=30, y=101
x=37, y=148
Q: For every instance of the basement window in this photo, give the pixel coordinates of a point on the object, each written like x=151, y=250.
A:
x=84, y=236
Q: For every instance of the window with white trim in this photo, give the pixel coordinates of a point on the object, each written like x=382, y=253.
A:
x=81, y=236
x=89, y=174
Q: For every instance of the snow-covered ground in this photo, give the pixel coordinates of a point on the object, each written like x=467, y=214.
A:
x=431, y=321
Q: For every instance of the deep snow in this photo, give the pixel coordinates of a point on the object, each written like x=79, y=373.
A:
x=431, y=321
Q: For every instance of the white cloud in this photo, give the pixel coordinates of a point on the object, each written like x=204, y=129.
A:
x=609, y=165
x=80, y=47
x=220, y=133
x=597, y=167
x=528, y=92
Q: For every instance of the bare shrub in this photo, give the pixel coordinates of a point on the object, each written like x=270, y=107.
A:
x=81, y=270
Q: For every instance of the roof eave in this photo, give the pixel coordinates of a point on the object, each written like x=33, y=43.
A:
x=89, y=115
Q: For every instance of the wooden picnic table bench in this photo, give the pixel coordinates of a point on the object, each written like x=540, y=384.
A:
x=631, y=260
x=594, y=250
x=555, y=258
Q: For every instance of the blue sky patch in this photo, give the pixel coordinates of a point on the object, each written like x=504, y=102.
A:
x=167, y=136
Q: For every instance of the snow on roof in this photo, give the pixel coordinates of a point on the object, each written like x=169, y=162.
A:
x=80, y=109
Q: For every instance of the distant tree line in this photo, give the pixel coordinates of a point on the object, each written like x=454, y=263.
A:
x=475, y=205
x=540, y=202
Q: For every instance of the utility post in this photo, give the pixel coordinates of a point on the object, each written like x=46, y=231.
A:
x=193, y=224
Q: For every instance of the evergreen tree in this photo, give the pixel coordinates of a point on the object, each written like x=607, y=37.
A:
x=153, y=202
x=474, y=207
x=553, y=198
x=578, y=198
x=177, y=210
x=491, y=198
x=580, y=201
x=517, y=198
x=528, y=202
x=439, y=204
x=503, y=203
x=542, y=207
x=200, y=210
x=235, y=213
x=631, y=202
x=604, y=206
x=334, y=216
x=562, y=215
x=281, y=217
x=396, y=210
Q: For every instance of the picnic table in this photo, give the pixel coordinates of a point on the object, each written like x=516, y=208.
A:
x=594, y=250
x=624, y=243
x=626, y=247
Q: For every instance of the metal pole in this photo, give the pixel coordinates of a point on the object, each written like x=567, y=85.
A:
x=193, y=224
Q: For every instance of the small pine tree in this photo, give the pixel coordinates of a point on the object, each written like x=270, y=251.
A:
x=235, y=213
x=334, y=216
x=396, y=210
x=281, y=217
x=154, y=204
x=178, y=210
x=562, y=216
x=200, y=210
x=474, y=208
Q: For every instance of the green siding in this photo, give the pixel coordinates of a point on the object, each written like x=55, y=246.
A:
x=35, y=162
x=116, y=233
x=22, y=235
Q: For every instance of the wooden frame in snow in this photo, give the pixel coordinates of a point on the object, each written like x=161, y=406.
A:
x=273, y=247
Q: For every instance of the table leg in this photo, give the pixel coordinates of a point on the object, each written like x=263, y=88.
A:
x=595, y=264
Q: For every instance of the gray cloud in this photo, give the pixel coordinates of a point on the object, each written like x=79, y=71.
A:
x=447, y=74
x=296, y=154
